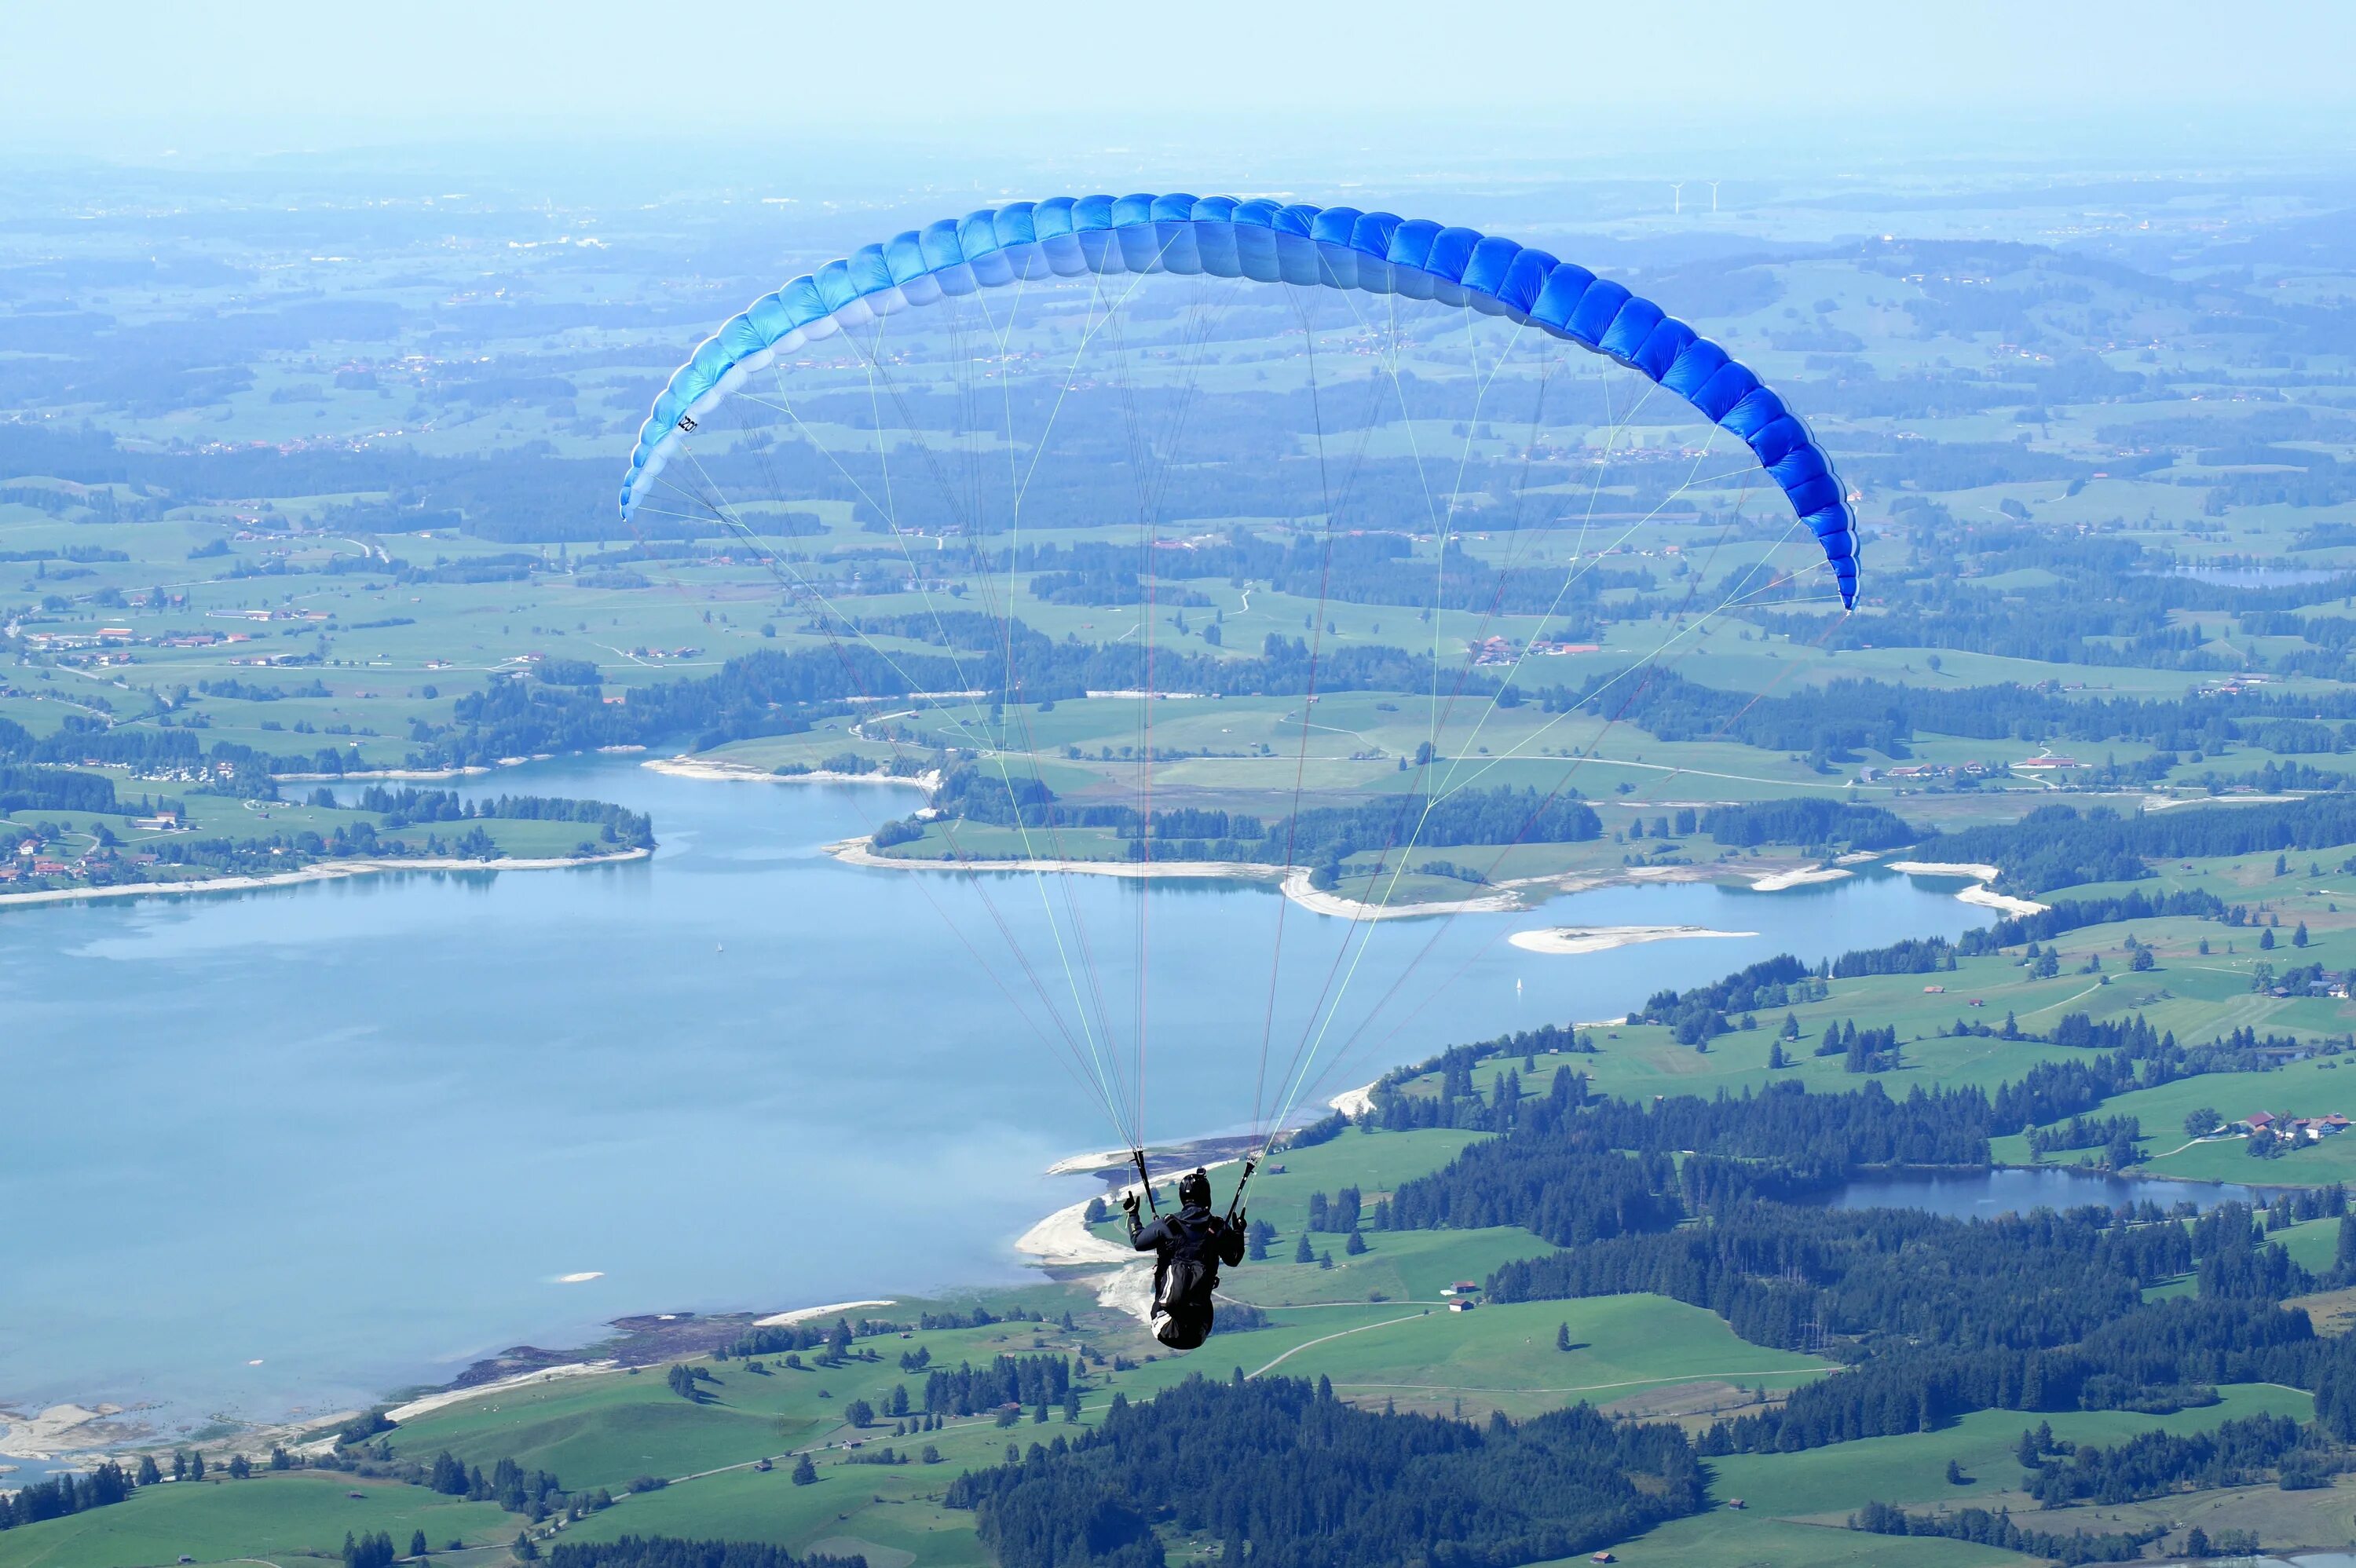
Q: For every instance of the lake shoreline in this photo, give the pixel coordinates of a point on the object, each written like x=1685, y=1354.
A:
x=1060, y=1244
x=689, y=767
x=324, y=871
x=338, y=960
x=1578, y=939
x=1294, y=882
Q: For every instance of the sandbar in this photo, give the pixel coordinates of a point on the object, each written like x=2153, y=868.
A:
x=1063, y=1239
x=1801, y=878
x=1603, y=938
x=803, y=1314
x=59, y=1428
x=1082, y=1164
x=1982, y=894
x=743, y=773
x=1297, y=889
x=1971, y=868
x=1504, y=897
x=432, y=1401
x=410, y=774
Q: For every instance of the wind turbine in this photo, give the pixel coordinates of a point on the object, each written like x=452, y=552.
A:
x=1713, y=197
x=1676, y=197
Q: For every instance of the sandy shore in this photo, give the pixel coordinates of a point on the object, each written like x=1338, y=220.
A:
x=1988, y=897
x=1297, y=889
x=1354, y=1102
x=1982, y=894
x=1507, y=896
x=855, y=852
x=686, y=767
x=1778, y=881
x=61, y=1428
x=803, y=1314
x=1063, y=1239
x=1128, y=1290
x=1604, y=938
x=412, y=775
x=1973, y=869
x=1083, y=1164
x=324, y=871
x=433, y=1402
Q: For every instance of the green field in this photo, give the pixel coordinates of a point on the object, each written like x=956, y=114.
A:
x=294, y=1514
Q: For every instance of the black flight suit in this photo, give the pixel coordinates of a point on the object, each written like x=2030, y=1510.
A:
x=1188, y=1248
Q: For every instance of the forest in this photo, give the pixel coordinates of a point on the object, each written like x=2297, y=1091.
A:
x=1319, y=835
x=1306, y=1479
x=670, y=1552
x=2060, y=845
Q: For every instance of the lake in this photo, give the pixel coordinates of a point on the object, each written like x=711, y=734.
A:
x=2262, y=576
x=1984, y=1194
x=282, y=1151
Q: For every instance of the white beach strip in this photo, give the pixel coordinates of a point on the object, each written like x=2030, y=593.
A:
x=1081, y=1164
x=803, y=1314
x=855, y=852
x=1982, y=894
x=1128, y=1290
x=1064, y=1240
x=1297, y=889
x=744, y=773
x=59, y=1428
x=412, y=775
x=1603, y=938
x=1973, y=869
x=1781, y=880
x=1354, y=1102
x=1988, y=897
x=324, y=871
x=432, y=1401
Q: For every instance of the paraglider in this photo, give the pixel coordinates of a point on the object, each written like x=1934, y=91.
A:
x=1266, y=241
x=1104, y=248
x=1188, y=1248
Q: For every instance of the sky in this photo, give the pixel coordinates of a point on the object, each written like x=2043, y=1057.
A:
x=138, y=79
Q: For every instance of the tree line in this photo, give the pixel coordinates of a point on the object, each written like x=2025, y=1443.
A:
x=1306, y=1479
x=675, y=1551
x=2060, y=845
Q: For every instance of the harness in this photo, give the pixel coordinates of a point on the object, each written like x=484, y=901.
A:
x=1195, y=1257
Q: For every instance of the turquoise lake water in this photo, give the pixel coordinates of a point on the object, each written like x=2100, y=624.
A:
x=282, y=1151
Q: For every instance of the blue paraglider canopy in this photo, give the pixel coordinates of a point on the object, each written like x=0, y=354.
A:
x=1267, y=242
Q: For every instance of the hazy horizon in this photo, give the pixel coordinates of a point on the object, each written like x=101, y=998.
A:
x=1630, y=90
